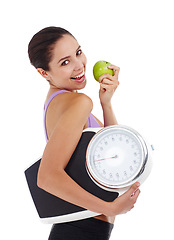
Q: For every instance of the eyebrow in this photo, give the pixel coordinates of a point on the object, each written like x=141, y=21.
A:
x=68, y=56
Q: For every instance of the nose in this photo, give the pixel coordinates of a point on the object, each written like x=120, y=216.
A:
x=78, y=65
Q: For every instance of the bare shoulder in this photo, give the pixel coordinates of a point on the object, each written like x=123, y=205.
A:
x=67, y=106
x=81, y=98
x=67, y=100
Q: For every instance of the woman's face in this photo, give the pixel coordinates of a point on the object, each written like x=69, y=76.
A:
x=68, y=65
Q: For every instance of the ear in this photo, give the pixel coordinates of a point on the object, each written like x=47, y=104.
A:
x=43, y=73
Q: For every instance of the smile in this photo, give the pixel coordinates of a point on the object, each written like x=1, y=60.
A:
x=79, y=78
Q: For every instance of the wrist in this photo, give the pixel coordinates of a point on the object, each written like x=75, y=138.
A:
x=106, y=105
x=108, y=210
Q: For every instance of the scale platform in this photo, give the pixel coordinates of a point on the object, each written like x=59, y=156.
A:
x=52, y=209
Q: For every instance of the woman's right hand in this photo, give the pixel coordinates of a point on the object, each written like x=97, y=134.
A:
x=125, y=202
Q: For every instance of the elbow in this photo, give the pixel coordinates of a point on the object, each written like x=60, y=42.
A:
x=48, y=180
x=40, y=180
x=43, y=179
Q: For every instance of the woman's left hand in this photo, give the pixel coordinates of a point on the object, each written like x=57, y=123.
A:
x=108, y=85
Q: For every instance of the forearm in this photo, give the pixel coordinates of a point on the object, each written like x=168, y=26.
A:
x=61, y=185
x=108, y=115
x=108, y=85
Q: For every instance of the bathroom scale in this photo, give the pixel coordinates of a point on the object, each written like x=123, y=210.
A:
x=106, y=162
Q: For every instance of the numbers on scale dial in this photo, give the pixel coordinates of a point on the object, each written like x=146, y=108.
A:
x=110, y=164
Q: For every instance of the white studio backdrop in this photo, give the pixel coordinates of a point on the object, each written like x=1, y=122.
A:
x=135, y=35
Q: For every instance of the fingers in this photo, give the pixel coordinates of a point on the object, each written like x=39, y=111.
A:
x=133, y=190
x=108, y=82
x=115, y=69
x=109, y=76
x=126, y=202
x=108, y=88
x=135, y=195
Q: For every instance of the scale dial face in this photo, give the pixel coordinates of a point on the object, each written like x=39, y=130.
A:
x=115, y=157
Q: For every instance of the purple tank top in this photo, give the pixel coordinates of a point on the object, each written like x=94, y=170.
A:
x=91, y=119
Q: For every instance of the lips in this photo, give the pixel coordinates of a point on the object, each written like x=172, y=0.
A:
x=79, y=78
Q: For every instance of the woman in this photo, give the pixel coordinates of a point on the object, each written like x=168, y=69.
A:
x=57, y=56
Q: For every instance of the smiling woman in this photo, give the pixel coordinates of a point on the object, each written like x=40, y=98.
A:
x=58, y=57
x=67, y=66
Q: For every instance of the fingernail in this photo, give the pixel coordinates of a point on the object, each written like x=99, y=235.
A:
x=138, y=184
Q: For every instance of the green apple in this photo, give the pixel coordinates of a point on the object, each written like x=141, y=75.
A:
x=100, y=68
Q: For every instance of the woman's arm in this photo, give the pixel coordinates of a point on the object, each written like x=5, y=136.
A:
x=62, y=143
x=108, y=85
x=109, y=116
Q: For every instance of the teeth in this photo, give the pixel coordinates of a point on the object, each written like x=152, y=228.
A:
x=79, y=76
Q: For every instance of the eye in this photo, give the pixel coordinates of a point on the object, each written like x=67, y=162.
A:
x=79, y=52
x=65, y=63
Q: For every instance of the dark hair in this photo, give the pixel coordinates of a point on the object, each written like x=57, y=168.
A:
x=41, y=45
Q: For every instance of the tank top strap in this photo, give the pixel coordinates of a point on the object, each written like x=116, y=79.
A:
x=52, y=96
x=46, y=107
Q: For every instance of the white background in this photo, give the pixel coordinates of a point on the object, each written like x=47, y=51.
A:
x=135, y=35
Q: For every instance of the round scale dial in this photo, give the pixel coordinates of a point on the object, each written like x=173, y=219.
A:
x=115, y=157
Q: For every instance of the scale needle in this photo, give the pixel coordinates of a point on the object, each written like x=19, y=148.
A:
x=106, y=158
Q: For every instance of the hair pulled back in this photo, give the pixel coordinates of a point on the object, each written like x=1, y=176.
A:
x=41, y=45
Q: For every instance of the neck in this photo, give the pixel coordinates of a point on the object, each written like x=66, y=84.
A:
x=54, y=89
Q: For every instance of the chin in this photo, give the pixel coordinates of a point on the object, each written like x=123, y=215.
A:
x=83, y=85
x=80, y=86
